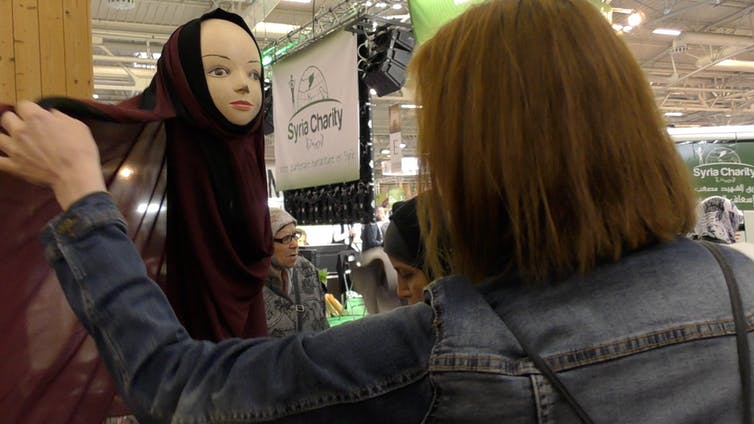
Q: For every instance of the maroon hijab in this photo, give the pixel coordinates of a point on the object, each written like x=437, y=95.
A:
x=219, y=238
x=196, y=203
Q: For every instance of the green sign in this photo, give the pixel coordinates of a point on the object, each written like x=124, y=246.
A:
x=427, y=16
x=722, y=169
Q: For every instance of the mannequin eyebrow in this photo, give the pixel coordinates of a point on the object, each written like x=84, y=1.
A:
x=226, y=57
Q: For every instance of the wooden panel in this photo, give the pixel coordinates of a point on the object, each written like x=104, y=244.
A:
x=26, y=48
x=7, y=56
x=52, y=48
x=78, y=48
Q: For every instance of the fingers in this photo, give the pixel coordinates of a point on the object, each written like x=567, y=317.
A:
x=11, y=122
x=6, y=163
x=26, y=109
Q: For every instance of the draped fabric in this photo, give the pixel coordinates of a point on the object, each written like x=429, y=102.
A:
x=192, y=187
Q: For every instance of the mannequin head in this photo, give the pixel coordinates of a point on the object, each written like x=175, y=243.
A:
x=232, y=69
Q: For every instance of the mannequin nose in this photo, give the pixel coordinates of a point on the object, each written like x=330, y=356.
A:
x=243, y=88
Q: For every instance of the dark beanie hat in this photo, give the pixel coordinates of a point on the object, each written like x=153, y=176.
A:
x=402, y=238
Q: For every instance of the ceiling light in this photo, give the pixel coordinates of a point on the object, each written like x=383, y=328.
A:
x=667, y=31
x=372, y=91
x=385, y=151
x=299, y=1
x=95, y=96
x=410, y=106
x=732, y=63
x=396, y=6
x=122, y=4
x=635, y=19
x=673, y=113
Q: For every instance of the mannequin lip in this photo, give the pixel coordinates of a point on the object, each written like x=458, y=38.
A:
x=241, y=105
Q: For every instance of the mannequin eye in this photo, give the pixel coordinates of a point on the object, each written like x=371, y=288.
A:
x=254, y=75
x=219, y=72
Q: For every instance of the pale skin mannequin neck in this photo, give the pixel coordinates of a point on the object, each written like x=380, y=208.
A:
x=233, y=70
x=411, y=281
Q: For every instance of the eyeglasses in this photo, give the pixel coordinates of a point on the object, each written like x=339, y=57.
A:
x=287, y=239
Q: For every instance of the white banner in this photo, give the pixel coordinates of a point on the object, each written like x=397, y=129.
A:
x=394, y=127
x=316, y=114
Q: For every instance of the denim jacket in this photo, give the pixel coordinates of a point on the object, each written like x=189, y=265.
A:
x=648, y=339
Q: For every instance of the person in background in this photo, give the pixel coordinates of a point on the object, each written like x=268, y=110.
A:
x=294, y=299
x=573, y=299
x=405, y=250
x=381, y=220
x=718, y=219
x=345, y=234
x=371, y=234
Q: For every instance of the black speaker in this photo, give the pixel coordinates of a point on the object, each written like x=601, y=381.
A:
x=390, y=38
x=386, y=71
x=386, y=77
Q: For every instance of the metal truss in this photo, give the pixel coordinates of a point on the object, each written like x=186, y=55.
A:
x=345, y=15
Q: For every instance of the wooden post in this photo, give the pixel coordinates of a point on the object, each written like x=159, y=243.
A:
x=45, y=49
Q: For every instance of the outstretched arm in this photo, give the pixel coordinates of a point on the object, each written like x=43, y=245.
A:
x=160, y=370
x=50, y=148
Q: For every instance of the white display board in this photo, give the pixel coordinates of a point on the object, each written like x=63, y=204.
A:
x=315, y=113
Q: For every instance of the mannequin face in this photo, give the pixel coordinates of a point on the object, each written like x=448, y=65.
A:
x=233, y=69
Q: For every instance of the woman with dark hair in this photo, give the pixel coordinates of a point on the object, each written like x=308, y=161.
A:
x=405, y=249
x=563, y=202
x=184, y=163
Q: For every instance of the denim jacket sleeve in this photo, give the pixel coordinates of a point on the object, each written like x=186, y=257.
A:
x=369, y=370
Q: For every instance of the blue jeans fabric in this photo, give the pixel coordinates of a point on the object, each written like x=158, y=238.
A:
x=647, y=339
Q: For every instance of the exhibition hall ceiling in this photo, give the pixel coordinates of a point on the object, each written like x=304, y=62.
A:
x=705, y=74
x=702, y=75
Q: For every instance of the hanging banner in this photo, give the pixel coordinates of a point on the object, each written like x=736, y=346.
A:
x=394, y=128
x=316, y=114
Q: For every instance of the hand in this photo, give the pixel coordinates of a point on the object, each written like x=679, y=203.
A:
x=52, y=149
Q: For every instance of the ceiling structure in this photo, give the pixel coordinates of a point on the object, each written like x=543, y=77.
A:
x=706, y=73
x=702, y=76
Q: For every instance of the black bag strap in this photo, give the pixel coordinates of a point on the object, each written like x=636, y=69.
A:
x=550, y=374
x=742, y=342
